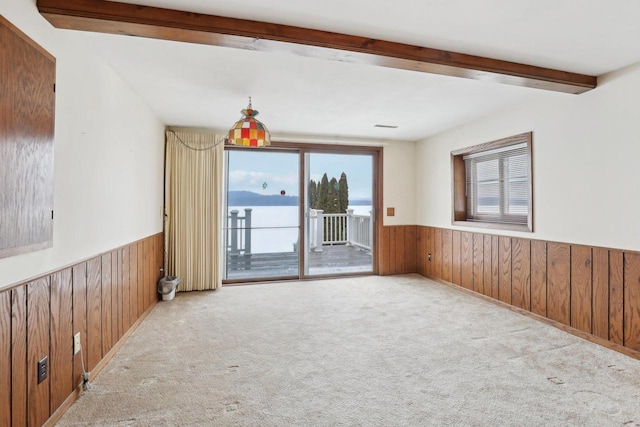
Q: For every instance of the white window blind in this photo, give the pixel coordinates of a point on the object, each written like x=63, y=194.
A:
x=498, y=185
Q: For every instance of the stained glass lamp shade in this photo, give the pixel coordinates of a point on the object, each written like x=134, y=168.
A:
x=249, y=131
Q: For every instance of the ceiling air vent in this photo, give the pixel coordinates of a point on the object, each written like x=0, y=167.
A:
x=386, y=126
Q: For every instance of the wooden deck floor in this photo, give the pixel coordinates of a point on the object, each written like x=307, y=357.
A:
x=332, y=260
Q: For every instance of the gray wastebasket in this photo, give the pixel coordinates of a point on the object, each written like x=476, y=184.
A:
x=167, y=287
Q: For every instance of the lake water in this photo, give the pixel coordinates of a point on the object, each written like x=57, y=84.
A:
x=285, y=218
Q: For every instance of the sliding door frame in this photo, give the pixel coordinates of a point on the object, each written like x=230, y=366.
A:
x=376, y=153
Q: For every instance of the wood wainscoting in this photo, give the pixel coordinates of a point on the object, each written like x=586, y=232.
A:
x=398, y=250
x=103, y=298
x=590, y=291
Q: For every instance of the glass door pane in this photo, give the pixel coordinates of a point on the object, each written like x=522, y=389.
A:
x=338, y=214
x=262, y=227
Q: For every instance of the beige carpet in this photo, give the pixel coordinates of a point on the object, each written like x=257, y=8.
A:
x=370, y=351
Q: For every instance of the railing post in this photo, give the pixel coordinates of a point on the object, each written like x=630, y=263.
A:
x=247, y=231
x=247, y=238
x=349, y=226
x=313, y=229
x=370, y=243
x=319, y=229
x=233, y=247
x=234, y=232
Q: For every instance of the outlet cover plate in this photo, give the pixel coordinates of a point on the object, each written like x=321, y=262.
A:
x=43, y=368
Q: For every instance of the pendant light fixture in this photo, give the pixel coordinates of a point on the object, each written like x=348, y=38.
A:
x=249, y=131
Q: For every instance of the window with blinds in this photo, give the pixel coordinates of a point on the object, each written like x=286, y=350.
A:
x=498, y=185
x=492, y=184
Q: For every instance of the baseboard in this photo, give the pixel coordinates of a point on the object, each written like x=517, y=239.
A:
x=57, y=415
x=573, y=331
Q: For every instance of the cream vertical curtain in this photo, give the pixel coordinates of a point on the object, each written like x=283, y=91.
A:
x=193, y=209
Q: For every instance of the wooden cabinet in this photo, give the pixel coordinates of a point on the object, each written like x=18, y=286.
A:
x=27, y=115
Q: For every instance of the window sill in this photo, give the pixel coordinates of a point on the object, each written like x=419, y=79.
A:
x=494, y=226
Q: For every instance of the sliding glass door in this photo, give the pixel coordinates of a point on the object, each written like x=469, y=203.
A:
x=276, y=227
x=262, y=228
x=339, y=216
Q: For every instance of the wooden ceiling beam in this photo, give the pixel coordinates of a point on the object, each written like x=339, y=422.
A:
x=144, y=21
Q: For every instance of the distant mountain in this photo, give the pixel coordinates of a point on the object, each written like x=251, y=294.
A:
x=249, y=198
x=360, y=202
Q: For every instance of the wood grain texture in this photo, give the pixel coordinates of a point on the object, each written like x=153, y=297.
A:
x=539, y=277
x=384, y=251
x=581, y=288
x=559, y=282
x=478, y=263
x=133, y=281
x=27, y=107
x=5, y=358
x=141, y=278
x=39, y=318
x=79, y=272
x=175, y=25
x=37, y=348
x=447, y=254
x=616, y=297
x=147, y=253
x=120, y=275
x=399, y=253
x=504, y=260
x=437, y=253
x=402, y=243
x=592, y=292
x=430, y=236
x=153, y=269
x=600, y=301
x=423, y=249
x=576, y=332
x=632, y=300
x=456, y=251
x=495, y=267
x=19, y=375
x=521, y=273
x=61, y=333
x=126, y=289
x=486, y=264
x=94, y=312
x=116, y=294
x=458, y=189
x=107, y=304
x=411, y=243
x=160, y=267
x=466, y=259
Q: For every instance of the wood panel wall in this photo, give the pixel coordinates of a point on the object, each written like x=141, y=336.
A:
x=27, y=118
x=398, y=250
x=101, y=298
x=590, y=289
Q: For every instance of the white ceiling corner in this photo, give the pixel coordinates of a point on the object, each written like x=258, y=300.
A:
x=207, y=86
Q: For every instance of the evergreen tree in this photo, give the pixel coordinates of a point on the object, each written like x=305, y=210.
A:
x=343, y=193
x=313, y=195
x=323, y=193
x=333, y=198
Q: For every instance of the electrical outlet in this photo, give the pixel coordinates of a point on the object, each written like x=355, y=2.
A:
x=43, y=368
x=429, y=257
x=76, y=343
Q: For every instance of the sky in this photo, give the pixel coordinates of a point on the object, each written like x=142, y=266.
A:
x=269, y=172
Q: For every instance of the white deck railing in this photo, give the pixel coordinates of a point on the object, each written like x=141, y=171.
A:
x=335, y=229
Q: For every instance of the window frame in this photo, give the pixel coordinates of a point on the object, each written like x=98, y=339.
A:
x=459, y=208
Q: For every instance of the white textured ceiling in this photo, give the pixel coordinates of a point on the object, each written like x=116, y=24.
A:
x=205, y=86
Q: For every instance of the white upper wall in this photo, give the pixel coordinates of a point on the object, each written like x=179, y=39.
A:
x=399, y=183
x=585, y=173
x=109, y=150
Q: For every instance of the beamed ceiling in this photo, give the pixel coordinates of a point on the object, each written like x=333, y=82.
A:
x=353, y=66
